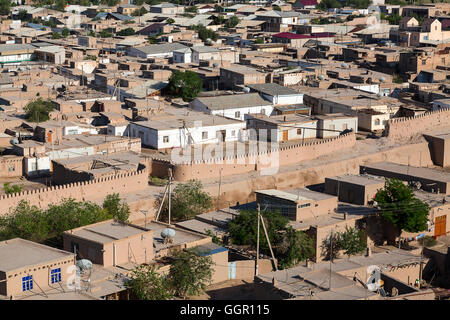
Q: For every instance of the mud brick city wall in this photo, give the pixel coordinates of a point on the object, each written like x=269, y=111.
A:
x=80, y=191
x=408, y=127
x=213, y=168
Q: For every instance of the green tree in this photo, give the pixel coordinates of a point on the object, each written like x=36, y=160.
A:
x=192, y=9
x=22, y=15
x=331, y=246
x=399, y=206
x=219, y=19
x=290, y=246
x=26, y=222
x=170, y=21
x=105, y=34
x=328, y=4
x=60, y=5
x=31, y=223
x=276, y=8
x=91, y=33
x=259, y=41
x=5, y=7
x=126, y=32
x=214, y=237
x=186, y=85
x=295, y=246
x=190, y=273
x=113, y=206
x=147, y=284
x=65, y=32
x=188, y=200
x=243, y=229
x=232, y=22
x=204, y=33
x=218, y=8
x=56, y=35
x=38, y=110
x=10, y=189
x=353, y=241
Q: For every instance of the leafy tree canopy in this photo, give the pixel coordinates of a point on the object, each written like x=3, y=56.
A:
x=186, y=85
x=5, y=7
x=188, y=200
x=126, y=32
x=38, y=110
x=147, y=284
x=399, y=206
x=290, y=246
x=232, y=22
x=190, y=273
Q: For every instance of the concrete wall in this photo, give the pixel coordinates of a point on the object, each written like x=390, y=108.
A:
x=408, y=127
x=80, y=191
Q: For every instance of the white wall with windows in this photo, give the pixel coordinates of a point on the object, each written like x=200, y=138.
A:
x=181, y=137
x=237, y=113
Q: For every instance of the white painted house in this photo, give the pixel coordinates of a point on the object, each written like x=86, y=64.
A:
x=331, y=125
x=155, y=50
x=190, y=128
x=236, y=106
x=183, y=55
x=278, y=95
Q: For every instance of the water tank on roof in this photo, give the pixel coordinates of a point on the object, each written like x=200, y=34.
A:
x=246, y=89
x=168, y=233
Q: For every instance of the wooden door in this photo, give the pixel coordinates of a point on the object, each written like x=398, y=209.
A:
x=285, y=135
x=440, y=225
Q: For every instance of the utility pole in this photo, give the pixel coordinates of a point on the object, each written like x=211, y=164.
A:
x=220, y=183
x=331, y=255
x=257, y=242
x=421, y=265
x=268, y=242
x=170, y=195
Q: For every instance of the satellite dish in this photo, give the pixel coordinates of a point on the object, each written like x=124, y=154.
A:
x=14, y=141
x=344, y=65
x=379, y=95
x=215, y=64
x=382, y=79
x=246, y=89
x=168, y=233
x=84, y=264
x=321, y=77
x=394, y=292
x=373, y=283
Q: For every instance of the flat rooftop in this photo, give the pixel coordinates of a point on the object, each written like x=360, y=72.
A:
x=299, y=281
x=295, y=195
x=409, y=171
x=364, y=180
x=19, y=253
x=107, y=231
x=292, y=118
x=181, y=236
x=175, y=118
